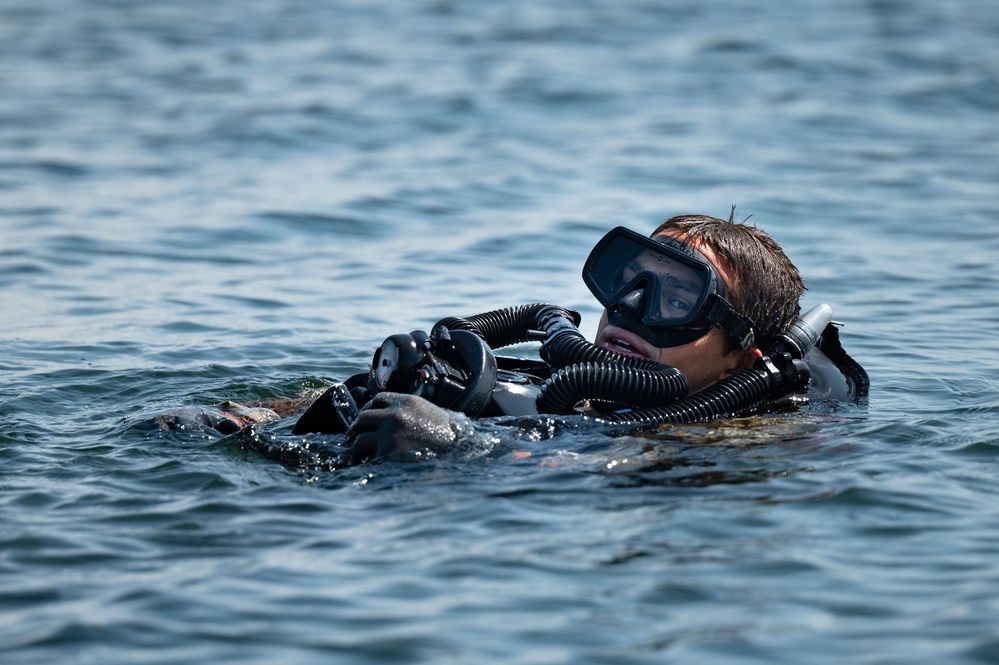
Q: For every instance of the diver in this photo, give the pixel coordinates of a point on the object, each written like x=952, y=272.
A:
x=701, y=320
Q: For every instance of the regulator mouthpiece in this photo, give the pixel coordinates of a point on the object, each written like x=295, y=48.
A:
x=454, y=369
x=397, y=361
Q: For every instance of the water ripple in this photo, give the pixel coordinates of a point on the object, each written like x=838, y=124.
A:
x=241, y=204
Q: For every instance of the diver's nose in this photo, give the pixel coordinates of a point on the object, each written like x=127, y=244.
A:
x=632, y=303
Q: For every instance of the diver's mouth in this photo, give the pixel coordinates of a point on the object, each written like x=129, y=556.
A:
x=622, y=347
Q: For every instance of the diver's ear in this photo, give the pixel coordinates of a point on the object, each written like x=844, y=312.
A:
x=741, y=360
x=750, y=356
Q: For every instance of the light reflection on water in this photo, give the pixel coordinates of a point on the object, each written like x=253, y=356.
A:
x=240, y=204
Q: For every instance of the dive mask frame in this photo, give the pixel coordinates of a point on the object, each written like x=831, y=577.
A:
x=625, y=271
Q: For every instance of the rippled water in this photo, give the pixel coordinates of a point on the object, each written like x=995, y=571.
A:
x=202, y=202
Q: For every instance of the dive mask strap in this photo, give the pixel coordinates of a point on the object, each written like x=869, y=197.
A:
x=720, y=312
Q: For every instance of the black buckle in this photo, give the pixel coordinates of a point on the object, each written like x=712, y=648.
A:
x=721, y=313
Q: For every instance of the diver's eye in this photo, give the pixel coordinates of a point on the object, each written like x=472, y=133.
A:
x=678, y=305
x=675, y=308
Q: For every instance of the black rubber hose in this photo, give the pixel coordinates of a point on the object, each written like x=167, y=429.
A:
x=740, y=392
x=566, y=346
x=564, y=349
x=743, y=391
x=610, y=382
x=512, y=325
x=582, y=370
x=585, y=371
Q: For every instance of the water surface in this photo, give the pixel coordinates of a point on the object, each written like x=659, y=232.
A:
x=241, y=201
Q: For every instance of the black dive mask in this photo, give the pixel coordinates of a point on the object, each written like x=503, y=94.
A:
x=661, y=289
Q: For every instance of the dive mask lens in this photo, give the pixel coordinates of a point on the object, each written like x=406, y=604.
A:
x=676, y=279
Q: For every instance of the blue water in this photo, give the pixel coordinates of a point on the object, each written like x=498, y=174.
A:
x=240, y=200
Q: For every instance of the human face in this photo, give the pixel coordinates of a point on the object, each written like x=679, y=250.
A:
x=702, y=361
x=680, y=286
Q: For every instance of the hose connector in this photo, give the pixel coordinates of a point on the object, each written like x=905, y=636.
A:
x=803, y=334
x=554, y=320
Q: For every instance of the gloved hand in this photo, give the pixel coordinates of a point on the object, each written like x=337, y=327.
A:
x=393, y=423
x=226, y=418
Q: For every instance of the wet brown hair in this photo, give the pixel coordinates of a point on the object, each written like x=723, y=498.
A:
x=767, y=286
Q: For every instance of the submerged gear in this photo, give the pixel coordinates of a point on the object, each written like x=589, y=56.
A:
x=661, y=289
x=454, y=367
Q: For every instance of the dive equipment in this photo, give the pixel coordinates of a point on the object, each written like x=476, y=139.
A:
x=454, y=367
x=331, y=413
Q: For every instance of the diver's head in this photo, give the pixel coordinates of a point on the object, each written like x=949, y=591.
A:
x=761, y=282
x=681, y=297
